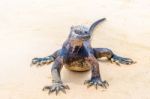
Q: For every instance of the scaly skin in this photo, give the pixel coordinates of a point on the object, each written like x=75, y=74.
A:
x=77, y=54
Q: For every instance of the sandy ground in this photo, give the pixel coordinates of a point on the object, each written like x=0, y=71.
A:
x=30, y=28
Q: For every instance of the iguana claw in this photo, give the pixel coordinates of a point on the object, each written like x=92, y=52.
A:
x=56, y=87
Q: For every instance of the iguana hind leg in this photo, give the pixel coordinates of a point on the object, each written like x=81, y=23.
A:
x=104, y=52
x=45, y=60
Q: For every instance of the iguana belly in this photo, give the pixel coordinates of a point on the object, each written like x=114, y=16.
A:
x=79, y=65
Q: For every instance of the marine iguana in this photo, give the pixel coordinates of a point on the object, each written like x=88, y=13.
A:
x=77, y=54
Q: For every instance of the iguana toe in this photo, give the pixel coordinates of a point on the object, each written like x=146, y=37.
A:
x=96, y=82
x=56, y=87
x=121, y=60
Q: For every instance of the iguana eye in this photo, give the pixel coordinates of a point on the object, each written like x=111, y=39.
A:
x=77, y=32
x=86, y=32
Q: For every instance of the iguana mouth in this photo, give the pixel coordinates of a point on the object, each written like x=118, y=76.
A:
x=83, y=37
x=86, y=37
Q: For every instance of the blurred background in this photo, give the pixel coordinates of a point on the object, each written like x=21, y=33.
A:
x=36, y=28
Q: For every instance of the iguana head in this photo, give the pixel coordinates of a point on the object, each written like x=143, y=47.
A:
x=79, y=34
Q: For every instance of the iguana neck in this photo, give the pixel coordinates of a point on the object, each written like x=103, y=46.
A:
x=75, y=46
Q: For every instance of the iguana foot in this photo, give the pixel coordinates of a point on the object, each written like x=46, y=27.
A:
x=42, y=61
x=56, y=87
x=121, y=60
x=96, y=82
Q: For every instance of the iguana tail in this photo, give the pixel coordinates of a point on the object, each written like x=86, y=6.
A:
x=91, y=29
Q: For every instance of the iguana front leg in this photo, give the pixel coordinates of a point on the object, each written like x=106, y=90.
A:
x=95, y=77
x=45, y=60
x=121, y=60
x=42, y=61
x=57, y=84
x=105, y=52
